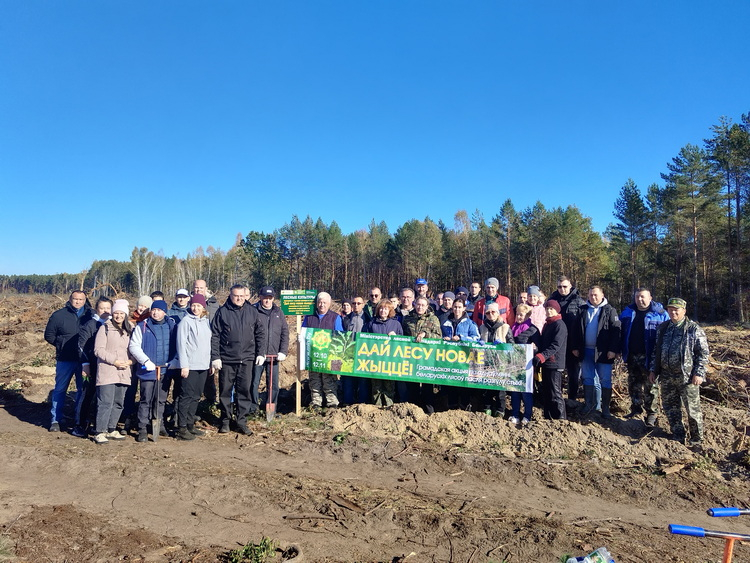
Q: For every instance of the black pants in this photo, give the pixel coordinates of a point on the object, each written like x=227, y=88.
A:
x=551, y=391
x=573, y=367
x=239, y=377
x=86, y=414
x=145, y=406
x=172, y=376
x=271, y=378
x=190, y=395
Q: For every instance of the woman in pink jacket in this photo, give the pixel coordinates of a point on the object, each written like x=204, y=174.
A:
x=113, y=372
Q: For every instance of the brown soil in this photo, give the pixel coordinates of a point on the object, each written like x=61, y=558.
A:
x=364, y=484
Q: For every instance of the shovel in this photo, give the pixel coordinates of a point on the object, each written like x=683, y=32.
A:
x=155, y=420
x=270, y=403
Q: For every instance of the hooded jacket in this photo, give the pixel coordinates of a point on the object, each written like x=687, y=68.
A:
x=194, y=342
x=607, y=332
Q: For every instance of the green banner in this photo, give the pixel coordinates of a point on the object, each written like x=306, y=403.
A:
x=440, y=362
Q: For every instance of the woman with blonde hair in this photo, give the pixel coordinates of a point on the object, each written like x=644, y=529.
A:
x=523, y=331
x=113, y=372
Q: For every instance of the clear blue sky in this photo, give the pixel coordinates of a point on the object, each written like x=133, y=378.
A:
x=175, y=124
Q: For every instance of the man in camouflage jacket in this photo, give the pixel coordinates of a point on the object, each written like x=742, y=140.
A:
x=679, y=361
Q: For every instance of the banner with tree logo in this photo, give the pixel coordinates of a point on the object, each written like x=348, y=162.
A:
x=440, y=362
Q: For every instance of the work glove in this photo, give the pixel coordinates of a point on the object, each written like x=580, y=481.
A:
x=260, y=360
x=149, y=365
x=281, y=356
x=216, y=364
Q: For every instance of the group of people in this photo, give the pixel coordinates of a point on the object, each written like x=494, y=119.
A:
x=109, y=349
x=112, y=352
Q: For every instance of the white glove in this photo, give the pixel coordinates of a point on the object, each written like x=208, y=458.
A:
x=281, y=356
x=260, y=360
x=149, y=365
x=216, y=364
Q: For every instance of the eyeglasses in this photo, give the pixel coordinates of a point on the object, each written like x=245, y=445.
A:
x=375, y=295
x=358, y=303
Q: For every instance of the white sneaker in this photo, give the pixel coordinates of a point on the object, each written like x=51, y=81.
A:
x=513, y=420
x=100, y=438
x=525, y=422
x=114, y=435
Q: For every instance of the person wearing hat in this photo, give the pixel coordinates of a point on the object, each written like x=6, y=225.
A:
x=597, y=343
x=491, y=287
x=277, y=344
x=153, y=344
x=535, y=300
x=678, y=364
x=113, y=371
x=422, y=289
x=639, y=321
x=194, y=354
x=551, y=357
x=446, y=306
x=179, y=308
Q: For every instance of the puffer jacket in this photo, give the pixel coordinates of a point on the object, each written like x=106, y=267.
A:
x=693, y=350
x=465, y=329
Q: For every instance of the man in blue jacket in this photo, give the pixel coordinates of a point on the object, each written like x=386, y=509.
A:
x=62, y=332
x=639, y=321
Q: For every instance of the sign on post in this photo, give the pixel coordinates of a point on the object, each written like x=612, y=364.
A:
x=298, y=301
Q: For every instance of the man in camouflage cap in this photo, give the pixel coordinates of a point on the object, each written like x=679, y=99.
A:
x=678, y=363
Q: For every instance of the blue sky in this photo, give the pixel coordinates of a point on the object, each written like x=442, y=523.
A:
x=178, y=124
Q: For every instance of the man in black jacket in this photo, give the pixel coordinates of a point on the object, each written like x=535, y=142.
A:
x=238, y=341
x=277, y=344
x=570, y=305
x=596, y=344
x=62, y=332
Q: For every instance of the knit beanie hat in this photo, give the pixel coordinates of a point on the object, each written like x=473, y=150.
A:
x=551, y=303
x=159, y=304
x=492, y=281
x=121, y=305
x=198, y=298
x=145, y=301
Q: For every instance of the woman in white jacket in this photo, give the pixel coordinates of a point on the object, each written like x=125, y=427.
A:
x=194, y=355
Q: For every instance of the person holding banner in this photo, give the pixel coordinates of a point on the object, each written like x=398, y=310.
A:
x=458, y=326
x=551, y=356
x=522, y=332
x=384, y=322
x=323, y=383
x=420, y=323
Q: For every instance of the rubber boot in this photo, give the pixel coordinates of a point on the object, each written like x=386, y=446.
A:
x=589, y=395
x=606, y=399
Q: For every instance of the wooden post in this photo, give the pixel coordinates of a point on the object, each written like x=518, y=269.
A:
x=298, y=383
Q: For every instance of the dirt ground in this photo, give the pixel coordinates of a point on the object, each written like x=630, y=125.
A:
x=364, y=484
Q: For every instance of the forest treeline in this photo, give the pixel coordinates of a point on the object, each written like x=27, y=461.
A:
x=684, y=236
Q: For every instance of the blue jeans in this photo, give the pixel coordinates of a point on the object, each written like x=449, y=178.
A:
x=597, y=374
x=355, y=389
x=64, y=372
x=515, y=404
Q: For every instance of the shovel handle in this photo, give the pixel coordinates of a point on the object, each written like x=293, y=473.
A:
x=727, y=511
